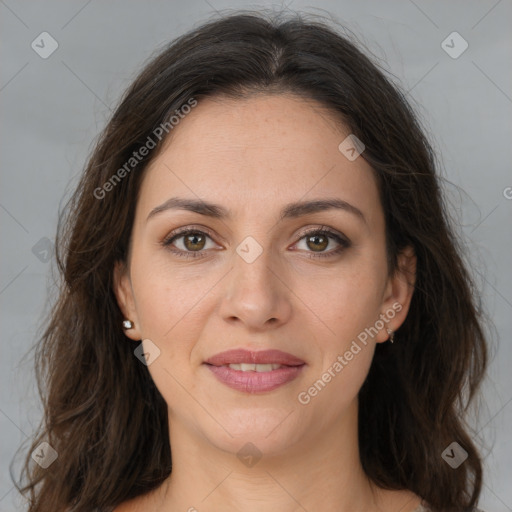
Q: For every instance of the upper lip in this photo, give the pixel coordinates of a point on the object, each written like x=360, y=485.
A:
x=238, y=356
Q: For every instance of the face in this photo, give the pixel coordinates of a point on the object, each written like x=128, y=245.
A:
x=261, y=274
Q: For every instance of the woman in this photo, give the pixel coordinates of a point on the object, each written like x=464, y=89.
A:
x=263, y=305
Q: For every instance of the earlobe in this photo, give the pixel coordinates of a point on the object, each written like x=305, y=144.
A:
x=125, y=300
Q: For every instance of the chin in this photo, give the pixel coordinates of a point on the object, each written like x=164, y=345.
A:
x=270, y=430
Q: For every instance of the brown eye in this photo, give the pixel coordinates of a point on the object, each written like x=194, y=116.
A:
x=188, y=243
x=317, y=242
x=194, y=241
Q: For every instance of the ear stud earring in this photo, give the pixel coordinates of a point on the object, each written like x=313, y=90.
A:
x=127, y=324
x=391, y=335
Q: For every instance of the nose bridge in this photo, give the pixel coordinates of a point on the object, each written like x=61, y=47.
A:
x=253, y=263
x=255, y=293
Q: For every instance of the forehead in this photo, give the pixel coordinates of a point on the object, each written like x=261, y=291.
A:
x=258, y=153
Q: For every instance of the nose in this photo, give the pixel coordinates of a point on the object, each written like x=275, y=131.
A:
x=256, y=293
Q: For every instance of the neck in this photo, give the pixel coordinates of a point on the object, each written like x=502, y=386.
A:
x=324, y=468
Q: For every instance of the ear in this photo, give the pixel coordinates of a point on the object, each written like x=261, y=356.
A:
x=398, y=294
x=125, y=299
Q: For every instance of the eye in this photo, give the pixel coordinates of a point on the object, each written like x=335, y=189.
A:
x=319, y=239
x=193, y=242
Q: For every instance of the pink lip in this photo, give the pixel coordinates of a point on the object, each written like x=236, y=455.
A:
x=252, y=381
x=238, y=356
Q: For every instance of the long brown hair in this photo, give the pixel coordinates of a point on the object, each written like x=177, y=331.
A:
x=102, y=412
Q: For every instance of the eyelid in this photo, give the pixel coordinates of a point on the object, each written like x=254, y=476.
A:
x=301, y=234
x=174, y=234
x=327, y=229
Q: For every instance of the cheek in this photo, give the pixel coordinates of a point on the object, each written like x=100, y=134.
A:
x=168, y=295
x=350, y=302
x=174, y=303
x=170, y=308
x=347, y=309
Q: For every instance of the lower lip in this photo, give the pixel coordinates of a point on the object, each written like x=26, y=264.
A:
x=255, y=382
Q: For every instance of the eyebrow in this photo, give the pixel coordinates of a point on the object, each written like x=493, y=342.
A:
x=290, y=211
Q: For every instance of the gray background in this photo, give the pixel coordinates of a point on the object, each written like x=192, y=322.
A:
x=53, y=109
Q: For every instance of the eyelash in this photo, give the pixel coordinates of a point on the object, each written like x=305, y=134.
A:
x=344, y=243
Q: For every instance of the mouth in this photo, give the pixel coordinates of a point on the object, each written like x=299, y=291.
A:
x=248, y=357
x=255, y=372
x=248, y=367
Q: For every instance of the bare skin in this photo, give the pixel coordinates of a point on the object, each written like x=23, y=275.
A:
x=254, y=157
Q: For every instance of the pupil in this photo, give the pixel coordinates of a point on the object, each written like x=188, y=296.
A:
x=193, y=239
